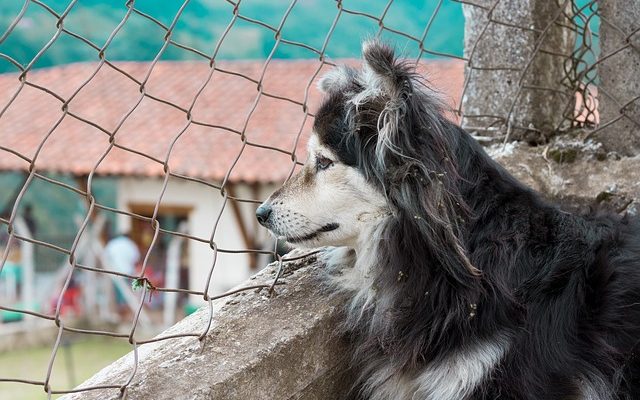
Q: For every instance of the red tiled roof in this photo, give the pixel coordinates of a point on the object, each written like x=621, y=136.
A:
x=201, y=151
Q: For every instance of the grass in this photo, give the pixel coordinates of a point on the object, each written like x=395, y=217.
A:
x=73, y=365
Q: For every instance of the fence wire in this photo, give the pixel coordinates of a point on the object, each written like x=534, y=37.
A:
x=578, y=86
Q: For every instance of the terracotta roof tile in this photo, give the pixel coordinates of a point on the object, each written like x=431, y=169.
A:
x=205, y=149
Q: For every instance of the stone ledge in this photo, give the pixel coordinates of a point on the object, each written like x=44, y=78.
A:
x=259, y=346
x=584, y=180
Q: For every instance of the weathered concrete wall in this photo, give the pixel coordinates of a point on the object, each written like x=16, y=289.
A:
x=577, y=176
x=259, y=347
x=506, y=65
x=619, y=72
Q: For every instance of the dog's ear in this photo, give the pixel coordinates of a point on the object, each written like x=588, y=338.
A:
x=337, y=79
x=387, y=85
x=379, y=57
x=383, y=72
x=414, y=159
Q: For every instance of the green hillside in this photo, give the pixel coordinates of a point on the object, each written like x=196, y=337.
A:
x=203, y=22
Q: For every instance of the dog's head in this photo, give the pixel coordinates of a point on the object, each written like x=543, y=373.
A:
x=379, y=151
x=329, y=201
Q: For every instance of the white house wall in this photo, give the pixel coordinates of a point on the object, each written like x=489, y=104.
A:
x=206, y=203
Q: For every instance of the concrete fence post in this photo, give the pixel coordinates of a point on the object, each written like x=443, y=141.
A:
x=619, y=72
x=516, y=51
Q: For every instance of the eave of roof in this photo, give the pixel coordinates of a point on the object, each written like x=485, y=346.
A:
x=235, y=121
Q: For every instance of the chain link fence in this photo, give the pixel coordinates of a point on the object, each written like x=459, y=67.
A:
x=536, y=70
x=531, y=70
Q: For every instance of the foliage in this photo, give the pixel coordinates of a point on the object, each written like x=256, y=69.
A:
x=202, y=24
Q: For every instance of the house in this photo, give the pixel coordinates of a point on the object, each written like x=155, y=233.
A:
x=182, y=142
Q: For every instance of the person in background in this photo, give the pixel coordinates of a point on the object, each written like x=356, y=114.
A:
x=30, y=220
x=122, y=255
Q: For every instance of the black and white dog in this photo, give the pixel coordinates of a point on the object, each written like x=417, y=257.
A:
x=464, y=283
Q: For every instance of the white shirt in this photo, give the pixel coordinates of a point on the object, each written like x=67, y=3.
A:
x=121, y=255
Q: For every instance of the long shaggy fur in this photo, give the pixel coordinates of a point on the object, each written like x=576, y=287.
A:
x=472, y=286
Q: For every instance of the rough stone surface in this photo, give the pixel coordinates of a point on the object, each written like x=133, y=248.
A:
x=578, y=176
x=619, y=72
x=259, y=347
x=506, y=66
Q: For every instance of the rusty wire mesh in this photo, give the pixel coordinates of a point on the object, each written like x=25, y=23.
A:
x=554, y=70
x=576, y=85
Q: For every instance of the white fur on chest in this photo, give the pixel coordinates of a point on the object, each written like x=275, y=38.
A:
x=454, y=378
x=459, y=375
x=595, y=388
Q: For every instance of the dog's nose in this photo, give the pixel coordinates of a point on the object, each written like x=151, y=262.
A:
x=262, y=213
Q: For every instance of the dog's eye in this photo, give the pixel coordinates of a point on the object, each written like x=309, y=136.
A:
x=323, y=162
